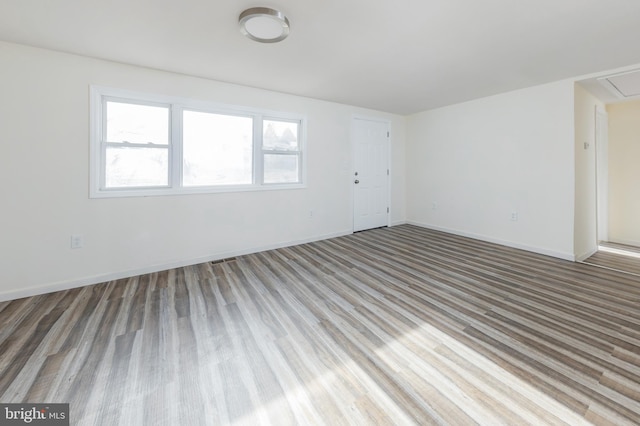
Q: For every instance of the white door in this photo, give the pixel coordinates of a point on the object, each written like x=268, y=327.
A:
x=371, y=174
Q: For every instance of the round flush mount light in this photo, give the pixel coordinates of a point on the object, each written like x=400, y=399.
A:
x=264, y=24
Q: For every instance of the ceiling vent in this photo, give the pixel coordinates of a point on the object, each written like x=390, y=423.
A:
x=623, y=85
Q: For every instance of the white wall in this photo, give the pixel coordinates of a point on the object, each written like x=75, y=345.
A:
x=479, y=161
x=44, y=128
x=585, y=224
x=624, y=172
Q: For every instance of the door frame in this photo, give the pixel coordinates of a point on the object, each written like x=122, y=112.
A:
x=602, y=176
x=352, y=166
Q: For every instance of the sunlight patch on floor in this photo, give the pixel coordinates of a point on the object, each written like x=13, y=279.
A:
x=619, y=251
x=513, y=392
x=423, y=362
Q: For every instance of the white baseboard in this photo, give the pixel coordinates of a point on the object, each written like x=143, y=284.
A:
x=398, y=222
x=625, y=242
x=539, y=250
x=97, y=279
x=101, y=278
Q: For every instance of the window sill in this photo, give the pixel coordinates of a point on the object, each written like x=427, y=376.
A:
x=158, y=192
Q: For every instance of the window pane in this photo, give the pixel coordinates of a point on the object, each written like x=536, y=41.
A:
x=137, y=123
x=133, y=167
x=217, y=149
x=280, y=168
x=280, y=135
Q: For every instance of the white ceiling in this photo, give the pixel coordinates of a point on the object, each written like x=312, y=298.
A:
x=614, y=88
x=400, y=56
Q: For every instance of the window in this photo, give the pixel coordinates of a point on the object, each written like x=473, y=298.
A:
x=281, y=151
x=151, y=145
x=136, y=145
x=217, y=149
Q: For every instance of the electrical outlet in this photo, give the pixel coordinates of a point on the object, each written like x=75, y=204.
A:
x=514, y=216
x=77, y=241
x=310, y=214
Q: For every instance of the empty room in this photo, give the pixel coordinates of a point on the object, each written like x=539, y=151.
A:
x=329, y=213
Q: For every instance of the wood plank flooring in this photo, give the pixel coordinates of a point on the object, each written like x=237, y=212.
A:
x=617, y=256
x=397, y=325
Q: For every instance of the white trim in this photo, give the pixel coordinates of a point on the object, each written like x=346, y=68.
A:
x=625, y=242
x=175, y=152
x=539, y=250
x=593, y=265
x=104, y=278
x=389, y=183
x=95, y=126
x=621, y=251
x=602, y=174
x=162, y=191
x=258, y=157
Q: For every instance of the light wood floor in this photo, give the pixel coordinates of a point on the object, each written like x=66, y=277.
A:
x=617, y=256
x=398, y=325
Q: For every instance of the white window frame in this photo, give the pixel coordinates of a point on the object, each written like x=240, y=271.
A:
x=98, y=97
x=263, y=152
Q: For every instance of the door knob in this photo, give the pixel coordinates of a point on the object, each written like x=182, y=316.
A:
x=356, y=181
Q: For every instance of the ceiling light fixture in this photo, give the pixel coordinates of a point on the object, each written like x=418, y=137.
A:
x=264, y=25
